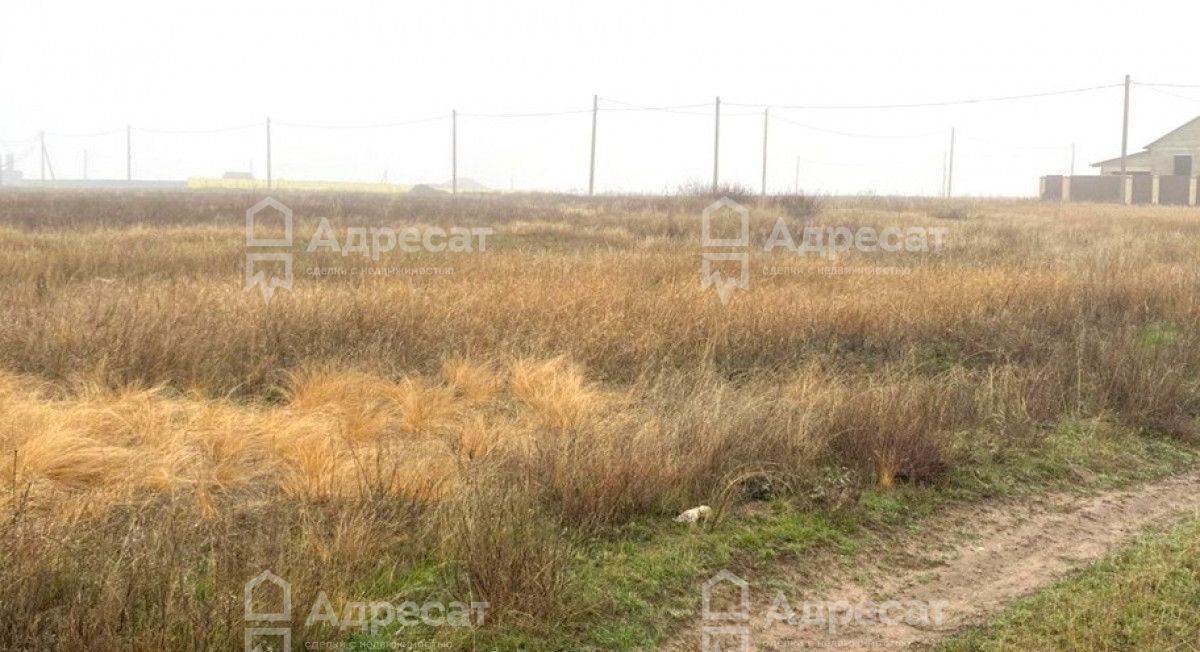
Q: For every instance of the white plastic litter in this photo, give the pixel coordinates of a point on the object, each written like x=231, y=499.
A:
x=694, y=514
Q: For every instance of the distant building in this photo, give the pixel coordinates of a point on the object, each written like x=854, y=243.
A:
x=426, y=189
x=8, y=169
x=238, y=175
x=465, y=184
x=1175, y=154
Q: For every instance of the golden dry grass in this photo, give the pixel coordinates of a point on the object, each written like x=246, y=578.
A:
x=574, y=376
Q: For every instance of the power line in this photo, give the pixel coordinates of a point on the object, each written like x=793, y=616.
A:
x=700, y=109
x=1175, y=95
x=185, y=132
x=541, y=114
x=1015, y=146
x=682, y=109
x=1150, y=84
x=854, y=135
x=382, y=125
x=94, y=134
x=678, y=108
x=917, y=105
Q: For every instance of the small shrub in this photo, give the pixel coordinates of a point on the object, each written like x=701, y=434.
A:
x=730, y=189
x=797, y=206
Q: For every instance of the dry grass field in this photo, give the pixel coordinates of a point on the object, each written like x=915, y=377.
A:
x=166, y=435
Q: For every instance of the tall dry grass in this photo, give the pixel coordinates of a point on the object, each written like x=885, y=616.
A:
x=167, y=435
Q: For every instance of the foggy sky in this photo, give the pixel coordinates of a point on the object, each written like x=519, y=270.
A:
x=74, y=69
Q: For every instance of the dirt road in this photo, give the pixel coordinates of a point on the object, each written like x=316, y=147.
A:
x=961, y=566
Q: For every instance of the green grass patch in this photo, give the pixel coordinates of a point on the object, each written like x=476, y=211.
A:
x=1159, y=334
x=631, y=587
x=1088, y=455
x=1146, y=597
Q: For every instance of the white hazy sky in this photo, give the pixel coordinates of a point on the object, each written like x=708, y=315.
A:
x=74, y=69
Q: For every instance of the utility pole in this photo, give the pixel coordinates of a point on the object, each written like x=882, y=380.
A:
x=796, y=187
x=1072, y=159
x=945, y=167
x=766, y=120
x=592, y=164
x=85, y=166
x=128, y=153
x=1125, y=127
x=268, y=153
x=454, y=151
x=47, y=164
x=950, y=168
x=717, y=147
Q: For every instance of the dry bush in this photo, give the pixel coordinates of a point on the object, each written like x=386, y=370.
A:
x=157, y=575
x=901, y=430
x=477, y=382
x=1149, y=383
x=554, y=391
x=797, y=206
x=513, y=553
x=731, y=189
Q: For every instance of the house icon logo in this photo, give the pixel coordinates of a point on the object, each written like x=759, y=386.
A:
x=732, y=249
x=267, y=588
x=728, y=630
x=264, y=252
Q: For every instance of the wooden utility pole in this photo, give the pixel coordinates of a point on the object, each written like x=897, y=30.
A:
x=1125, y=127
x=717, y=148
x=454, y=151
x=950, y=168
x=268, y=153
x=592, y=164
x=128, y=153
x=85, y=164
x=766, y=120
x=42, y=142
x=1072, y=159
x=796, y=186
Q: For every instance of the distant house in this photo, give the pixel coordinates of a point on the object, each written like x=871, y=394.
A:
x=1177, y=153
x=237, y=175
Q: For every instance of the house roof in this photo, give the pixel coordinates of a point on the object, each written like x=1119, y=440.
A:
x=1135, y=157
x=1174, y=131
x=1146, y=149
